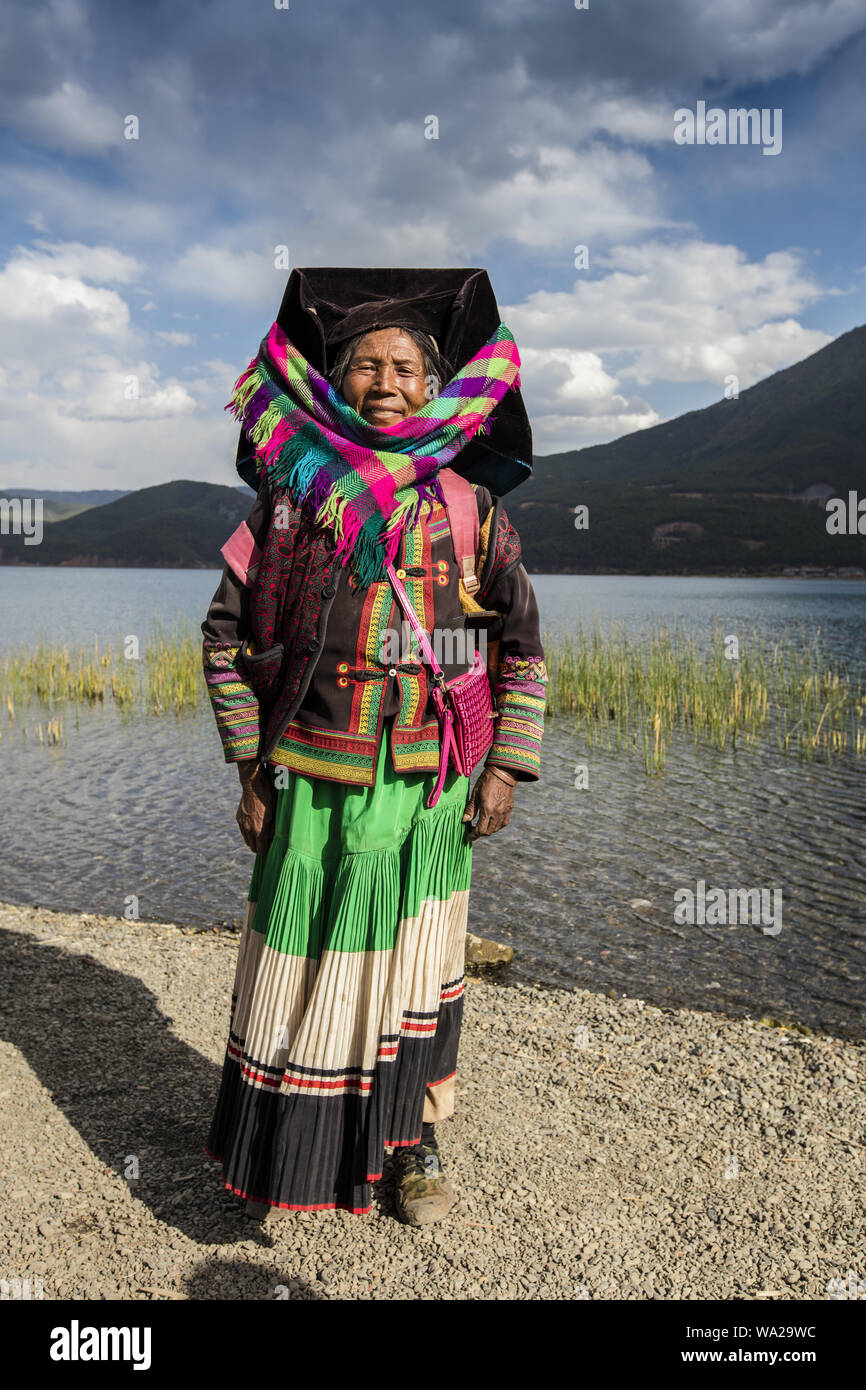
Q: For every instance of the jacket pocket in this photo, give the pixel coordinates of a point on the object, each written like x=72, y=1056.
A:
x=263, y=670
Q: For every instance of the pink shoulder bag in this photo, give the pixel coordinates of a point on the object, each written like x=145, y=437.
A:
x=464, y=705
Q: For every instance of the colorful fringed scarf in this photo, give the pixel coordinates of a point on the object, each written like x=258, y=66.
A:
x=364, y=481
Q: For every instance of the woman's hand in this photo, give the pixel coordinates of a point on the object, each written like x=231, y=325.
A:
x=493, y=800
x=255, y=815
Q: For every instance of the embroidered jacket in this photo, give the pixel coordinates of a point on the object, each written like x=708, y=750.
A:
x=303, y=668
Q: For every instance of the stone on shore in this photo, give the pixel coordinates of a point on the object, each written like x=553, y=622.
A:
x=485, y=957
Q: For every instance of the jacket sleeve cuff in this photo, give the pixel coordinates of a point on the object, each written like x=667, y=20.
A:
x=520, y=699
x=234, y=704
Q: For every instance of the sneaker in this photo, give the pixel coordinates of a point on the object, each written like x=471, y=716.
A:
x=423, y=1193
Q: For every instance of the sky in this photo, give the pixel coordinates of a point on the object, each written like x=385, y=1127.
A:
x=139, y=275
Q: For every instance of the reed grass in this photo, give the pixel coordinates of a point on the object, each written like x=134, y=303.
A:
x=165, y=676
x=638, y=689
x=619, y=689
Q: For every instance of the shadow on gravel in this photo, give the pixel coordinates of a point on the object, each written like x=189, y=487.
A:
x=100, y=1045
x=228, y=1279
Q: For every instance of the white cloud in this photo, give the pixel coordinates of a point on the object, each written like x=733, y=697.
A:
x=175, y=339
x=35, y=295
x=628, y=117
x=75, y=258
x=82, y=404
x=573, y=400
x=690, y=312
x=756, y=40
x=36, y=221
x=556, y=434
x=70, y=119
x=105, y=389
x=668, y=303
x=242, y=278
x=567, y=379
x=59, y=197
x=560, y=197
x=547, y=197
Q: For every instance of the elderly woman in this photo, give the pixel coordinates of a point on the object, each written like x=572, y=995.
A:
x=348, y=993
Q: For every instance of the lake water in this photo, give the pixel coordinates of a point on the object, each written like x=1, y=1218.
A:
x=581, y=882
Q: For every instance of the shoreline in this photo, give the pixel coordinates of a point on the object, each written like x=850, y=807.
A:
x=8, y=562
x=481, y=962
x=602, y=1148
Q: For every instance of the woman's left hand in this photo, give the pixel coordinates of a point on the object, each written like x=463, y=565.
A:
x=493, y=801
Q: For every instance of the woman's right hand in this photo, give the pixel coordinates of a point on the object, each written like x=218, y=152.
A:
x=255, y=814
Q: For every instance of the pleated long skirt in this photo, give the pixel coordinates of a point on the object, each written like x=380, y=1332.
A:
x=348, y=993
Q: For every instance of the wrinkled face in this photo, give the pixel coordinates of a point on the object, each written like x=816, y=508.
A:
x=386, y=377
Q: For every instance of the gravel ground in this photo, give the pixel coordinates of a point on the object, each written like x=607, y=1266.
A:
x=603, y=1149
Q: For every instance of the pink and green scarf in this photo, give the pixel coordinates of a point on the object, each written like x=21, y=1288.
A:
x=363, y=481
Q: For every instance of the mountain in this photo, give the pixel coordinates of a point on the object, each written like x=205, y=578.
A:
x=89, y=497
x=803, y=425
x=178, y=525
x=58, y=505
x=738, y=487
x=645, y=530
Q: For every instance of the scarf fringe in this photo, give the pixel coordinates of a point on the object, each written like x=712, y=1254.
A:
x=297, y=464
x=292, y=447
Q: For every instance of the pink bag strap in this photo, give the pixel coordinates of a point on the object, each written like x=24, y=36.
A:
x=463, y=519
x=447, y=740
x=438, y=680
x=408, y=608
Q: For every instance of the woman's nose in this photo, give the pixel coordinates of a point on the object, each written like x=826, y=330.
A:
x=385, y=379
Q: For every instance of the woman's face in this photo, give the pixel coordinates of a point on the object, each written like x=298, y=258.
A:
x=385, y=379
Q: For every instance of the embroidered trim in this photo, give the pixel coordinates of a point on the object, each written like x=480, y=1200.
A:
x=234, y=705
x=527, y=668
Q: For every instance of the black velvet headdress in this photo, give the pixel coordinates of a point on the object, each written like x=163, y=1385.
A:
x=325, y=305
